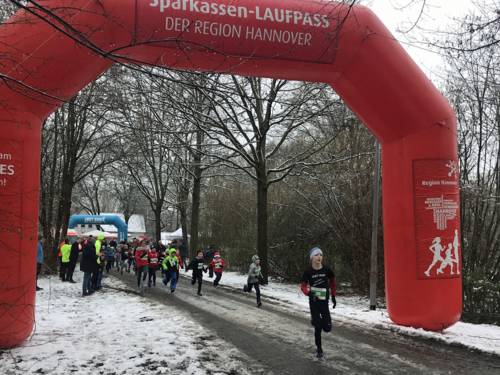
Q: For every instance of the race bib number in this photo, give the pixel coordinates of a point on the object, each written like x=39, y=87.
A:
x=319, y=293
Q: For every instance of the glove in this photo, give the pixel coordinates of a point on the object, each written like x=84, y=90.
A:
x=334, y=302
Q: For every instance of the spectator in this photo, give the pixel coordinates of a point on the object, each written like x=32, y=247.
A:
x=65, y=253
x=88, y=266
x=76, y=247
x=39, y=260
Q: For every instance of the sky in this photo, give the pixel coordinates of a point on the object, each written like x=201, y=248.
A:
x=438, y=14
x=123, y=332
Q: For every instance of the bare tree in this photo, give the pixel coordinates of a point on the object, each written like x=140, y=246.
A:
x=253, y=124
x=146, y=142
x=71, y=150
x=473, y=86
x=190, y=104
x=7, y=9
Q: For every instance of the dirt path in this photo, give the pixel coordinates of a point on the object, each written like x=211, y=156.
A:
x=282, y=341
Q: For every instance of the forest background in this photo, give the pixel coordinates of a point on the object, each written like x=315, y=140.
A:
x=254, y=165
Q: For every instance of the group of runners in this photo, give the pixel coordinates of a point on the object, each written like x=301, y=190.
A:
x=146, y=258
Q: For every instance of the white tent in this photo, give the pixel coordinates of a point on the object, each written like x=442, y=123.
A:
x=96, y=233
x=169, y=236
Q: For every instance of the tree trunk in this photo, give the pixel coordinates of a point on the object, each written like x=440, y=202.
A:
x=184, y=224
x=262, y=191
x=195, y=214
x=157, y=213
x=64, y=210
x=49, y=197
x=195, y=197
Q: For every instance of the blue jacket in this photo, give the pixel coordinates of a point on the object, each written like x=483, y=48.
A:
x=109, y=252
x=39, y=254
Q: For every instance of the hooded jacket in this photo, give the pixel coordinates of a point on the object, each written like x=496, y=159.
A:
x=98, y=244
x=170, y=263
x=254, y=271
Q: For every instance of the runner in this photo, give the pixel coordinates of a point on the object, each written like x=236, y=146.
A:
x=217, y=265
x=318, y=283
x=141, y=262
x=198, y=268
x=254, y=274
x=171, y=267
x=152, y=266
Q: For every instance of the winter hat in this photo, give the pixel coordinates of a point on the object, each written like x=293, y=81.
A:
x=217, y=254
x=315, y=251
x=255, y=258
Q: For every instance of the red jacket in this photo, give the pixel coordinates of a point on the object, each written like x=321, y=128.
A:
x=217, y=265
x=141, y=257
x=153, y=259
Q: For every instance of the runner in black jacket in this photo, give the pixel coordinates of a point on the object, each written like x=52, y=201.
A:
x=198, y=268
x=318, y=283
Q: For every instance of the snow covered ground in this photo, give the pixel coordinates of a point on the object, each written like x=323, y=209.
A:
x=355, y=310
x=114, y=332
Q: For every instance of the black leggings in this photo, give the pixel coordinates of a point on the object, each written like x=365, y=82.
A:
x=218, y=276
x=109, y=264
x=70, y=270
x=38, y=270
x=63, y=270
x=320, y=319
x=198, y=278
x=152, y=276
x=141, y=271
x=257, y=290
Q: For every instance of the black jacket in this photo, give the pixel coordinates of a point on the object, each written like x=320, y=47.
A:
x=197, y=266
x=89, y=260
x=73, y=256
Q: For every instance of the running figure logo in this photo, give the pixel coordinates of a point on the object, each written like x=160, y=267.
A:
x=448, y=260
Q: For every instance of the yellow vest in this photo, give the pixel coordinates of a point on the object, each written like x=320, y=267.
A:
x=98, y=250
x=65, y=252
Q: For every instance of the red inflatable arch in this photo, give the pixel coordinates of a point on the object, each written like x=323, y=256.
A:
x=49, y=56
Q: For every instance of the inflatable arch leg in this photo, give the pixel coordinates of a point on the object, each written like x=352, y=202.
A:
x=19, y=186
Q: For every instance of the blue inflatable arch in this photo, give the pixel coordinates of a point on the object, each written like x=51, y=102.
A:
x=115, y=220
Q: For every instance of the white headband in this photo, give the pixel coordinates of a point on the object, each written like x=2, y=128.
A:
x=315, y=251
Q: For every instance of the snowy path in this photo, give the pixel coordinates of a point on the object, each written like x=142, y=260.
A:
x=116, y=331
x=112, y=332
x=281, y=339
